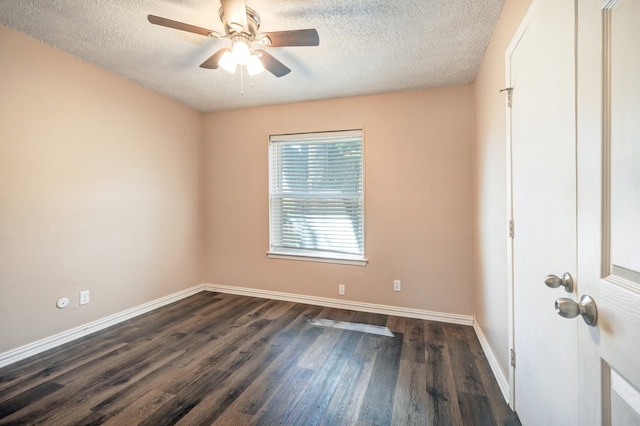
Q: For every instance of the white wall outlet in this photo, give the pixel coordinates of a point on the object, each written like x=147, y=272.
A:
x=62, y=303
x=341, y=289
x=84, y=297
x=397, y=286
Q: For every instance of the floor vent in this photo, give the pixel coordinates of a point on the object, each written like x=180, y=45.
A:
x=353, y=326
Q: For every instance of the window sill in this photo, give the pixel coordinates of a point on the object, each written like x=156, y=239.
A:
x=322, y=259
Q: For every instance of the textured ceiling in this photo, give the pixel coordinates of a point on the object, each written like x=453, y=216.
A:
x=366, y=46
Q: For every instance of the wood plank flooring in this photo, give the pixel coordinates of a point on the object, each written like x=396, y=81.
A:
x=218, y=359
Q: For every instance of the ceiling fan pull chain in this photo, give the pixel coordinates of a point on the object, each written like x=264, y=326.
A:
x=241, y=81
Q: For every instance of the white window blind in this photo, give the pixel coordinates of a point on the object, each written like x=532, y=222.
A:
x=316, y=195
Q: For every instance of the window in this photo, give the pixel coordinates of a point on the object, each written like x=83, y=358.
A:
x=316, y=196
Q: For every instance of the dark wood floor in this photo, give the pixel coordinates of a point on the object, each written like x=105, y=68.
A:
x=230, y=360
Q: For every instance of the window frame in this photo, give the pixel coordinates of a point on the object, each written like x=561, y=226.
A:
x=309, y=254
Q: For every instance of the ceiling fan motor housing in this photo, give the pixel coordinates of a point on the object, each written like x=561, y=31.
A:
x=253, y=23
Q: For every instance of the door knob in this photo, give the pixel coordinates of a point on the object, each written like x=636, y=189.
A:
x=554, y=281
x=569, y=308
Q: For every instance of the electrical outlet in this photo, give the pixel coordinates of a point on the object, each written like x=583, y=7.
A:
x=84, y=297
x=341, y=289
x=397, y=286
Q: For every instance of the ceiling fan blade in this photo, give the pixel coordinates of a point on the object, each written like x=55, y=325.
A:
x=273, y=65
x=157, y=20
x=213, y=61
x=235, y=13
x=293, y=38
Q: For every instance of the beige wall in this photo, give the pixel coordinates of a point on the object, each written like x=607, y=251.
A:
x=100, y=190
x=418, y=195
x=490, y=186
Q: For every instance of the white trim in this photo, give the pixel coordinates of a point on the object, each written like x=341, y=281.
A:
x=503, y=381
x=344, y=304
x=298, y=257
x=50, y=342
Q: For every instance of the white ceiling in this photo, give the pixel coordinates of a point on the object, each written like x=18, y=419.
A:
x=366, y=46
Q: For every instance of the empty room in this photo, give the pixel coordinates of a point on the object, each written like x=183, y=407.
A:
x=255, y=212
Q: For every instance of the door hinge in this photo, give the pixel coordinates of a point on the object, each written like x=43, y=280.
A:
x=511, y=231
x=509, y=91
x=512, y=357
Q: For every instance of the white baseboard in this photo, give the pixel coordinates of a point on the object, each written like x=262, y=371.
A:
x=503, y=381
x=344, y=304
x=47, y=343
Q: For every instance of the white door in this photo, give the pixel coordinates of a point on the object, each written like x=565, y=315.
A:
x=541, y=72
x=608, y=124
x=568, y=372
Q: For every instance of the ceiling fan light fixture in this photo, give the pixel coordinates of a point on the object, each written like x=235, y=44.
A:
x=254, y=66
x=241, y=51
x=227, y=62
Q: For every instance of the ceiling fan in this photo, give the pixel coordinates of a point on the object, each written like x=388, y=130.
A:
x=241, y=24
